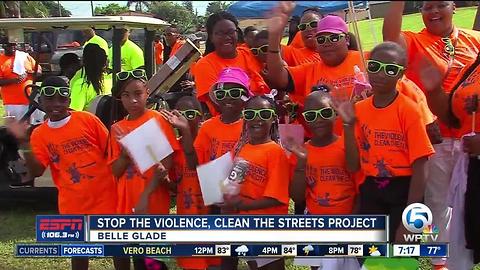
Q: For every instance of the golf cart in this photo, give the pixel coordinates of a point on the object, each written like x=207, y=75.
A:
x=10, y=170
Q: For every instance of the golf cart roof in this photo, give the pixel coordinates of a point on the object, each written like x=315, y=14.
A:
x=97, y=22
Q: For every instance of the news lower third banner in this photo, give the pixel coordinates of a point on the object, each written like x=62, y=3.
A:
x=212, y=229
x=231, y=250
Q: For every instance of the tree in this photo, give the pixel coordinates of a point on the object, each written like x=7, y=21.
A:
x=188, y=5
x=111, y=9
x=216, y=6
x=174, y=13
x=10, y=9
x=140, y=6
x=53, y=10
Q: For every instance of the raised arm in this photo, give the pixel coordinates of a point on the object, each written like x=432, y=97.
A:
x=277, y=72
x=392, y=23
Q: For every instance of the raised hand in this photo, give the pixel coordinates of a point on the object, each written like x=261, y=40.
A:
x=298, y=150
x=175, y=118
x=18, y=129
x=279, y=16
x=430, y=76
x=346, y=110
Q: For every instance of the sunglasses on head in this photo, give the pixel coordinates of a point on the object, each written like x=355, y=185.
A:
x=303, y=26
x=263, y=114
x=332, y=38
x=190, y=114
x=324, y=113
x=391, y=70
x=136, y=73
x=262, y=49
x=49, y=91
x=234, y=93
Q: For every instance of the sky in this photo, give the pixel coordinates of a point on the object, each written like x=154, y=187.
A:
x=83, y=8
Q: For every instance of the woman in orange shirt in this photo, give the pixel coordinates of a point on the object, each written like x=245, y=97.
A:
x=323, y=168
x=138, y=193
x=221, y=52
x=73, y=145
x=262, y=172
x=393, y=153
x=457, y=110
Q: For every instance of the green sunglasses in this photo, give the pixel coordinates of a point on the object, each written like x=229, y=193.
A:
x=324, y=113
x=303, y=26
x=263, y=114
x=234, y=93
x=136, y=73
x=262, y=49
x=391, y=70
x=332, y=38
x=190, y=114
x=49, y=91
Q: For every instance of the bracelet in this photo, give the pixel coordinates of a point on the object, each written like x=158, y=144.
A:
x=299, y=170
x=273, y=51
x=348, y=124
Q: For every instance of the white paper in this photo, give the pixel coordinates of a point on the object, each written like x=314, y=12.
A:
x=211, y=176
x=173, y=62
x=147, y=145
x=294, y=131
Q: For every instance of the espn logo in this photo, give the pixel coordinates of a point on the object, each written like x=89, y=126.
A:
x=60, y=224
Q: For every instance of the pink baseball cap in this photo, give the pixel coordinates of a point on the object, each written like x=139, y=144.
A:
x=233, y=75
x=332, y=24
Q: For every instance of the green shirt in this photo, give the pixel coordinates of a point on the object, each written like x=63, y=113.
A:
x=82, y=93
x=99, y=41
x=132, y=56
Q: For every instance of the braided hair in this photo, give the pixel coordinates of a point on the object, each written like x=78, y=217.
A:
x=94, y=65
x=212, y=21
x=274, y=131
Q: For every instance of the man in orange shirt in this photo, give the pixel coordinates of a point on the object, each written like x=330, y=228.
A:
x=13, y=84
x=451, y=50
x=158, y=45
x=173, y=39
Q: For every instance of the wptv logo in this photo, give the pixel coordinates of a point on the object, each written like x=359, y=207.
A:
x=417, y=218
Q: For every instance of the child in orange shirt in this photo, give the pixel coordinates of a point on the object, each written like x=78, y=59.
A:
x=323, y=171
x=73, y=145
x=187, y=115
x=138, y=193
x=392, y=140
x=262, y=172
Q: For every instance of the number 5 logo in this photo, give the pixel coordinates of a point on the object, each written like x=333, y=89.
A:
x=416, y=217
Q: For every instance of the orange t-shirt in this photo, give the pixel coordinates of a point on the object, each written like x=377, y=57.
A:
x=461, y=99
x=75, y=153
x=132, y=183
x=178, y=44
x=330, y=188
x=216, y=138
x=209, y=67
x=340, y=77
x=390, y=139
x=267, y=175
x=467, y=47
x=13, y=94
x=298, y=56
x=297, y=41
x=411, y=90
x=158, y=53
x=189, y=194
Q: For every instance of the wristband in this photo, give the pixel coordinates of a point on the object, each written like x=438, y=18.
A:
x=273, y=51
x=348, y=124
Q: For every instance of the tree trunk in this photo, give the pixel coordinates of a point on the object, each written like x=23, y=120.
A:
x=11, y=9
